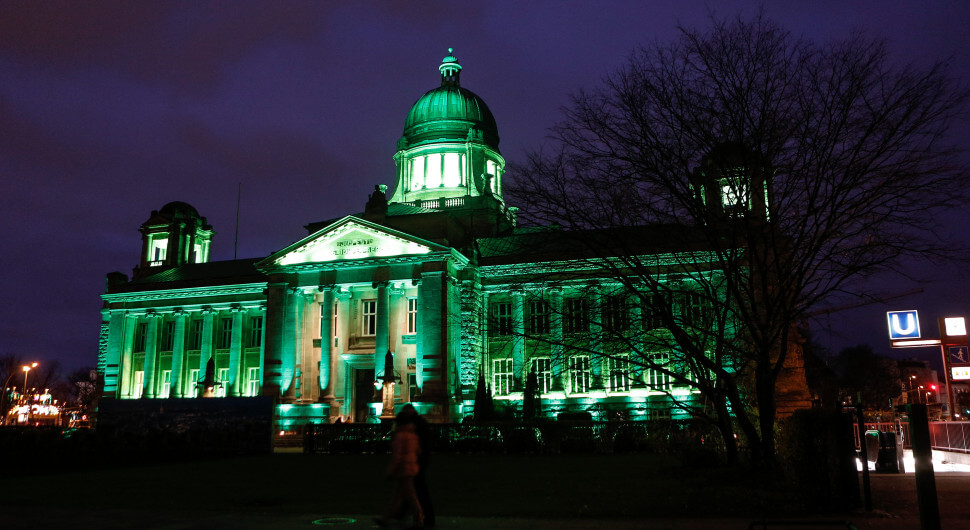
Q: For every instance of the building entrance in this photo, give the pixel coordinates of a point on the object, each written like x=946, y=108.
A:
x=363, y=393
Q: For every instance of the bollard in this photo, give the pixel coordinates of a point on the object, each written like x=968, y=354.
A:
x=919, y=434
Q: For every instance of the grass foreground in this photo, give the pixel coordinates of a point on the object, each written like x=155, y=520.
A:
x=620, y=486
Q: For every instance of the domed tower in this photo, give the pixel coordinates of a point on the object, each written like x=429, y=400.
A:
x=173, y=236
x=449, y=149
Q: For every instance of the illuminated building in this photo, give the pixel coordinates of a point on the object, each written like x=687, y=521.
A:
x=434, y=274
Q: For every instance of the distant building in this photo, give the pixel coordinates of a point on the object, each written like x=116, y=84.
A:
x=438, y=274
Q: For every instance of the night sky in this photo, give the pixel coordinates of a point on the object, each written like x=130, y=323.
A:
x=111, y=109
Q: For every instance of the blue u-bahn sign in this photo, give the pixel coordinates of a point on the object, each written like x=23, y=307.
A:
x=903, y=325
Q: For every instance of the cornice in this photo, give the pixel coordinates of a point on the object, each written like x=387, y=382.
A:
x=188, y=292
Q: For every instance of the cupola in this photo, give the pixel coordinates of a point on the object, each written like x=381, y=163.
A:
x=173, y=236
x=449, y=148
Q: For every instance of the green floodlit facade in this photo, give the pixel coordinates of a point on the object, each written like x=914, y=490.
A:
x=438, y=274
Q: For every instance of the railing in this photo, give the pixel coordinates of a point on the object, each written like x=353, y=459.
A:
x=950, y=436
x=520, y=437
x=944, y=435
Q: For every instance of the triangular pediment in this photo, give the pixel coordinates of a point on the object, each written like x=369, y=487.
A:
x=352, y=238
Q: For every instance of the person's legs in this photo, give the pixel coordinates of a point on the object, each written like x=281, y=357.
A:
x=424, y=498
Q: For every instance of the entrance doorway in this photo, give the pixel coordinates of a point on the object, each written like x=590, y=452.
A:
x=363, y=393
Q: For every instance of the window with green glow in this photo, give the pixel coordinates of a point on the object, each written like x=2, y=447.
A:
x=368, y=320
x=166, y=390
x=193, y=388
x=502, y=317
x=538, y=323
x=255, y=332
x=616, y=316
x=168, y=335
x=252, y=382
x=575, y=315
x=222, y=377
x=412, y=316
x=417, y=173
x=579, y=374
x=452, y=170
x=140, y=333
x=652, y=312
x=157, y=249
x=657, y=378
x=620, y=373
x=542, y=366
x=195, y=337
x=432, y=175
x=139, y=385
x=502, y=376
x=225, y=334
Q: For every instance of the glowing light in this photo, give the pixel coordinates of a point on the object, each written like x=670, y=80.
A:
x=955, y=326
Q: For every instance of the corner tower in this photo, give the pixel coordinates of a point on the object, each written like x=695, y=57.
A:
x=173, y=236
x=449, y=150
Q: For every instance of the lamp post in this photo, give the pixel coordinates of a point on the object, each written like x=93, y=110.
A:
x=3, y=396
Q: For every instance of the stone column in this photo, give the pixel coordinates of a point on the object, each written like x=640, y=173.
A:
x=419, y=339
x=127, y=362
x=431, y=333
x=636, y=338
x=151, y=353
x=326, y=342
x=115, y=350
x=382, y=339
x=556, y=348
x=291, y=341
x=273, y=344
x=178, y=354
x=208, y=316
x=519, y=370
x=235, y=353
x=596, y=337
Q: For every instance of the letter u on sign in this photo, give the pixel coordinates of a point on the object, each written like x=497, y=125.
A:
x=903, y=325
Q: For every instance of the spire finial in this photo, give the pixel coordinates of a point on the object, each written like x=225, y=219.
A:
x=449, y=69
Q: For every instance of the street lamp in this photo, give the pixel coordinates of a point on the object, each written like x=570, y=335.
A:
x=5, y=383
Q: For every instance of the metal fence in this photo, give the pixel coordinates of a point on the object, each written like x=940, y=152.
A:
x=950, y=436
x=944, y=435
x=541, y=437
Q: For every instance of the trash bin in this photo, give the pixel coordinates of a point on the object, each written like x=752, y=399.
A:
x=889, y=458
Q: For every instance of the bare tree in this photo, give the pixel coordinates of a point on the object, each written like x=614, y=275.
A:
x=784, y=172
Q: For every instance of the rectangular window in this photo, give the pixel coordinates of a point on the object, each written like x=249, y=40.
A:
x=252, y=382
x=166, y=390
x=693, y=310
x=168, y=335
x=502, y=376
x=620, y=373
x=222, y=377
x=542, y=366
x=225, y=333
x=195, y=338
x=368, y=320
x=192, y=388
x=139, y=385
x=412, y=385
x=616, y=316
x=412, y=316
x=140, y=332
x=653, y=312
x=575, y=315
x=502, y=316
x=657, y=378
x=579, y=375
x=255, y=332
x=538, y=317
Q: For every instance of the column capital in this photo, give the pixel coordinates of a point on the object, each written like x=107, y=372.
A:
x=151, y=313
x=180, y=312
x=379, y=284
x=327, y=287
x=236, y=308
x=207, y=310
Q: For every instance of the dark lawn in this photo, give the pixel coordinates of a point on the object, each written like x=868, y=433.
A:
x=461, y=485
